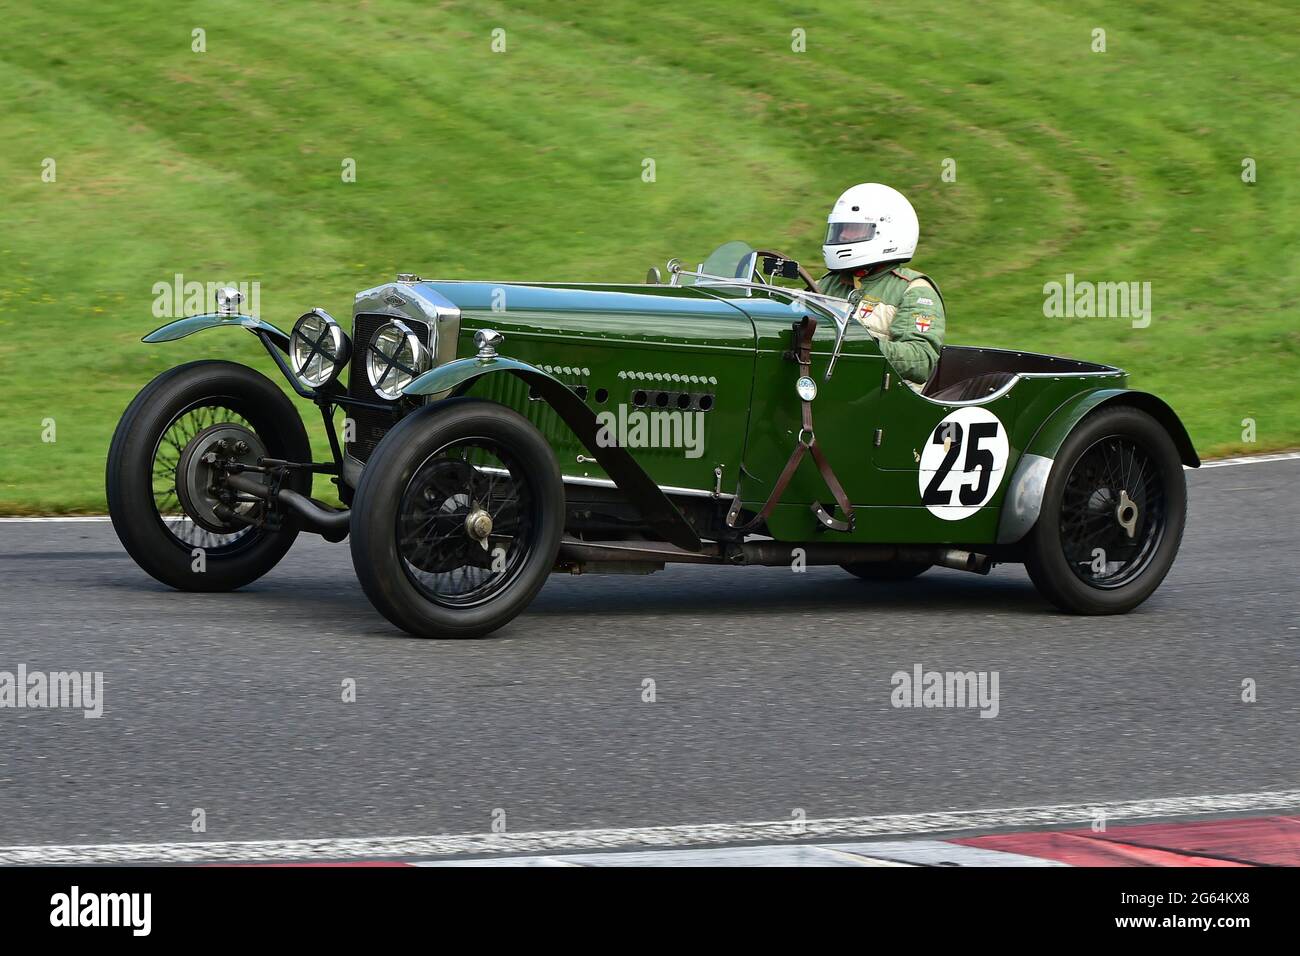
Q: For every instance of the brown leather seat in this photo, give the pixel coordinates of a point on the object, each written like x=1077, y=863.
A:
x=973, y=388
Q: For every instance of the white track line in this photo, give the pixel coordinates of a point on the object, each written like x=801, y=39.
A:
x=550, y=841
x=910, y=852
x=1250, y=459
x=56, y=518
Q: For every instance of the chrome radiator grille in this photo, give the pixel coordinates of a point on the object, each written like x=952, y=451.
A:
x=371, y=424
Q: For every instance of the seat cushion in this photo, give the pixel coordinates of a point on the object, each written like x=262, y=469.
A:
x=974, y=388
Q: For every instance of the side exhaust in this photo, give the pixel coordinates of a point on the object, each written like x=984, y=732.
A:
x=965, y=561
x=780, y=553
x=772, y=554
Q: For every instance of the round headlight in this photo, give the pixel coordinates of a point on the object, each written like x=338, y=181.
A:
x=318, y=349
x=394, y=359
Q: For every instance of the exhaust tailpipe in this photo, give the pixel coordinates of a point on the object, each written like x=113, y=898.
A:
x=964, y=561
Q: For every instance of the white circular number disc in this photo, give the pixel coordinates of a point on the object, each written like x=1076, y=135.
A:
x=962, y=463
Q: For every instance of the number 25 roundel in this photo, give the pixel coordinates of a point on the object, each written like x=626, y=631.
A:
x=962, y=463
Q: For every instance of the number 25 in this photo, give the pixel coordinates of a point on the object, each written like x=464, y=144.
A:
x=976, y=458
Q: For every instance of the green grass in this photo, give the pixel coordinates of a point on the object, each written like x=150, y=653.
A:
x=1115, y=166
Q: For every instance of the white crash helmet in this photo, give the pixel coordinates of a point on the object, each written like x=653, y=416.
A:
x=870, y=223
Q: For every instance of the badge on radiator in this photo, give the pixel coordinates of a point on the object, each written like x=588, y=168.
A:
x=806, y=388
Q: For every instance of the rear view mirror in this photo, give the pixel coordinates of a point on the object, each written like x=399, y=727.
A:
x=781, y=268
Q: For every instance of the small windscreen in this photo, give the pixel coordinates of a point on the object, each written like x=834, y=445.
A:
x=731, y=260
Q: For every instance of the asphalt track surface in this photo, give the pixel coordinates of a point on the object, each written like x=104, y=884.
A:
x=772, y=693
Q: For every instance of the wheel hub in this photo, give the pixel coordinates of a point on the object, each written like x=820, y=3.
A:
x=468, y=497
x=1126, y=513
x=1113, y=513
x=199, y=468
x=478, y=525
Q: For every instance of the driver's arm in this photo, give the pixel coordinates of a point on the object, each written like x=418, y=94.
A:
x=916, y=332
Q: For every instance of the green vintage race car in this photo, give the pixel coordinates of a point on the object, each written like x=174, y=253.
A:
x=492, y=433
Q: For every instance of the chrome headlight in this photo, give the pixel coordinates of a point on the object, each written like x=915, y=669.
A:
x=394, y=358
x=318, y=348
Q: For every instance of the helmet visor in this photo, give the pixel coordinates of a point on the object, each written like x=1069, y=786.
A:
x=841, y=233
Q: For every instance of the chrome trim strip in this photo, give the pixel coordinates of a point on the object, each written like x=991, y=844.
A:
x=666, y=489
x=606, y=483
x=1016, y=377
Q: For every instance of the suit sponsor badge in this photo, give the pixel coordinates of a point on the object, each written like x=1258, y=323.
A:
x=864, y=309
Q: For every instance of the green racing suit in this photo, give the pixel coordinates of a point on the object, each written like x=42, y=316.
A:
x=902, y=308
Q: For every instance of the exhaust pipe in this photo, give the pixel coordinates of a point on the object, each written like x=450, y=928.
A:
x=330, y=524
x=964, y=561
x=767, y=554
x=778, y=553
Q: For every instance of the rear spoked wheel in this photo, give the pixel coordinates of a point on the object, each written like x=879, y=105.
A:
x=457, y=519
x=1114, y=512
x=1112, y=515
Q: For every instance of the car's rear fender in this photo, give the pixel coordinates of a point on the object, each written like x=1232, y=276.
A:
x=455, y=378
x=1029, y=480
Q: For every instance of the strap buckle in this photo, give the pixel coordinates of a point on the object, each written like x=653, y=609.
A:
x=831, y=522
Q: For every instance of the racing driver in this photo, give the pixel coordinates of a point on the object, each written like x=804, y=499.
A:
x=871, y=231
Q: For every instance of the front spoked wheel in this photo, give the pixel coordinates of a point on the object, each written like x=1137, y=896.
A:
x=1112, y=515
x=178, y=474
x=457, y=519
x=466, y=523
x=170, y=511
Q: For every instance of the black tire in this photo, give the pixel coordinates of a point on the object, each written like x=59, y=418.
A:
x=887, y=571
x=1081, y=515
x=416, y=495
x=138, y=459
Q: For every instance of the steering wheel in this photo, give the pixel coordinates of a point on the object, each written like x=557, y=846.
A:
x=809, y=282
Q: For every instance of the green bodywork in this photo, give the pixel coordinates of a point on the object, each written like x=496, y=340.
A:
x=606, y=343
x=458, y=378
x=576, y=356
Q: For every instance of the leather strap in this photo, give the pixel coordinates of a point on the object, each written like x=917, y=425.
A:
x=803, y=446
